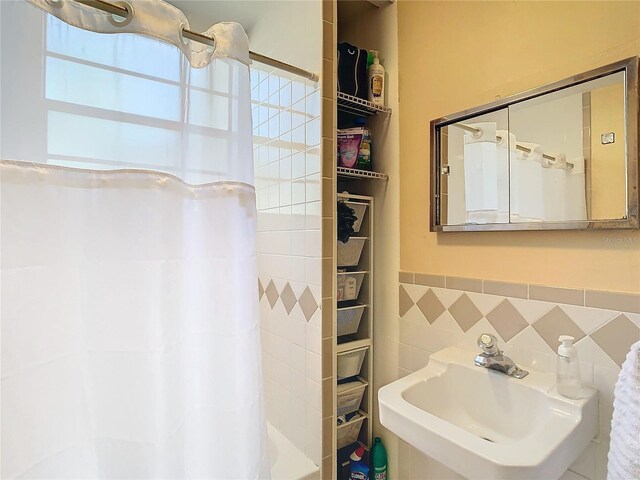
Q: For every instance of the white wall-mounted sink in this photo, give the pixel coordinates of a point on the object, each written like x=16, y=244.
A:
x=486, y=425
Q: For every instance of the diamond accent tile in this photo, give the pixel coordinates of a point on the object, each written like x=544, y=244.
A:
x=430, y=306
x=507, y=321
x=465, y=312
x=405, y=301
x=616, y=337
x=272, y=293
x=288, y=298
x=308, y=303
x=555, y=323
x=260, y=290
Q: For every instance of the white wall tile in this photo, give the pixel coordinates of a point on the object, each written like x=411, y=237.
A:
x=404, y=357
x=569, y=475
x=531, y=310
x=297, y=358
x=298, y=165
x=585, y=465
x=604, y=380
x=419, y=358
x=312, y=103
x=298, y=187
x=313, y=395
x=446, y=322
x=314, y=271
x=314, y=339
x=313, y=371
x=286, y=116
x=297, y=382
x=447, y=296
x=313, y=161
x=298, y=133
x=298, y=416
x=589, y=351
x=415, y=291
x=313, y=188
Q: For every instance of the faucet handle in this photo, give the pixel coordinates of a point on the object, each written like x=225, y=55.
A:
x=489, y=344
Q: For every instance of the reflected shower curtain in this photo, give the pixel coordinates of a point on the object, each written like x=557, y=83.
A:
x=129, y=329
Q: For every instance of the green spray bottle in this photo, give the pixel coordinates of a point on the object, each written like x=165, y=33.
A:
x=378, y=460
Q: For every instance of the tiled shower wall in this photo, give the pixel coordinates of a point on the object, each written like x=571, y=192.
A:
x=437, y=312
x=286, y=123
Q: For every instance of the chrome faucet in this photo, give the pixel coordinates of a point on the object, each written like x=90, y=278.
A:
x=493, y=358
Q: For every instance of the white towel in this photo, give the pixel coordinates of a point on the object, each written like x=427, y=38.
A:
x=577, y=207
x=506, y=142
x=554, y=187
x=624, y=452
x=527, y=204
x=480, y=185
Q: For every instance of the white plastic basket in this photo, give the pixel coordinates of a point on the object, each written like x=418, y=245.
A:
x=359, y=209
x=349, y=284
x=349, y=319
x=350, y=396
x=347, y=433
x=350, y=362
x=349, y=252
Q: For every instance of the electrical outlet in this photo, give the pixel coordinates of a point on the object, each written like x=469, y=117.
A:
x=606, y=138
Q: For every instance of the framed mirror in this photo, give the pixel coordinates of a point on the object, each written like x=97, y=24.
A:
x=559, y=157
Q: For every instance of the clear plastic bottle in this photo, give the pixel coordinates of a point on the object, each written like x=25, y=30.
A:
x=568, y=369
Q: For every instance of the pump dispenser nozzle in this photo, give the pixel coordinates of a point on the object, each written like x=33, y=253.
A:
x=566, y=349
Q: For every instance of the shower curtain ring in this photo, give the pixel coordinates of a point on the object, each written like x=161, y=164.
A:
x=119, y=20
x=55, y=3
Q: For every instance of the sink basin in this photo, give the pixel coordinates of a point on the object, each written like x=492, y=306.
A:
x=486, y=425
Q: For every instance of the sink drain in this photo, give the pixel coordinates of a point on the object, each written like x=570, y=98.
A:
x=487, y=439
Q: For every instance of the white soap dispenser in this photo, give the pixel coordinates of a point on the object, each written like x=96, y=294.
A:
x=568, y=368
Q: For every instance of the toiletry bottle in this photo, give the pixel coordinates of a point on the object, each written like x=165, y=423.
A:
x=376, y=82
x=378, y=460
x=568, y=368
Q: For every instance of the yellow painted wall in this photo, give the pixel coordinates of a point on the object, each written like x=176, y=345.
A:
x=457, y=55
x=608, y=179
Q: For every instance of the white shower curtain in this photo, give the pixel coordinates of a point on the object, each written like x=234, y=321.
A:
x=129, y=328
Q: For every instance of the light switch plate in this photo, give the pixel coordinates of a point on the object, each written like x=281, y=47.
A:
x=606, y=138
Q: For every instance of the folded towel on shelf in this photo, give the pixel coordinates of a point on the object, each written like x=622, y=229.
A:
x=624, y=452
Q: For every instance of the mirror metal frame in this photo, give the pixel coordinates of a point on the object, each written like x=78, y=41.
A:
x=630, y=67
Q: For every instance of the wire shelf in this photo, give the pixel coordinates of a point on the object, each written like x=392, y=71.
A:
x=358, y=106
x=355, y=173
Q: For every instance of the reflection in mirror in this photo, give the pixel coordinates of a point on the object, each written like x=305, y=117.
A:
x=573, y=166
x=475, y=170
x=561, y=156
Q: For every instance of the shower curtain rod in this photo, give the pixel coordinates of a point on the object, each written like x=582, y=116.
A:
x=522, y=148
x=199, y=37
